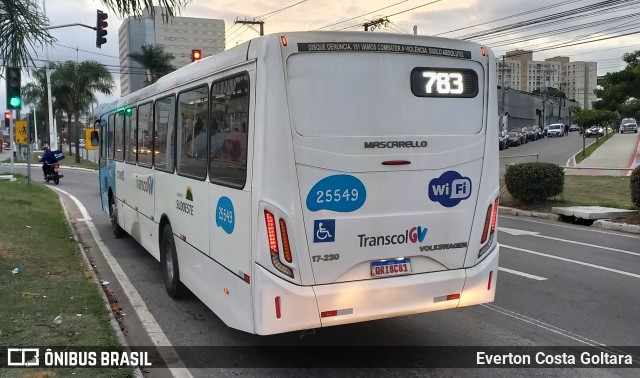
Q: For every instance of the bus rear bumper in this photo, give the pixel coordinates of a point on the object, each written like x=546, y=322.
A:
x=306, y=307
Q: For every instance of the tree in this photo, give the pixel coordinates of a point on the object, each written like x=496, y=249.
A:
x=35, y=93
x=588, y=118
x=76, y=85
x=21, y=30
x=155, y=61
x=621, y=86
x=23, y=25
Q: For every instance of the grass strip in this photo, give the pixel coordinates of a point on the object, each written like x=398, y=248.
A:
x=607, y=191
x=53, y=282
x=69, y=161
x=592, y=147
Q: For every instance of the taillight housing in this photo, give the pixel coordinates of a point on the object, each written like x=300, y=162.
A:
x=272, y=236
x=56, y=166
x=489, y=229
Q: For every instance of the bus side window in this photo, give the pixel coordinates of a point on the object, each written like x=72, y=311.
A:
x=229, y=131
x=193, y=110
x=165, y=139
x=145, y=133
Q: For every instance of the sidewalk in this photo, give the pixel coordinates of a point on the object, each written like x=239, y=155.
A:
x=620, y=151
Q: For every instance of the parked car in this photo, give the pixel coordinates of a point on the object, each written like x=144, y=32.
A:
x=574, y=128
x=628, y=124
x=556, y=129
x=539, y=131
x=595, y=132
x=83, y=143
x=515, y=139
x=529, y=133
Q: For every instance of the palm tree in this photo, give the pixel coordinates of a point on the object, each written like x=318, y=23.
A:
x=23, y=25
x=155, y=61
x=75, y=87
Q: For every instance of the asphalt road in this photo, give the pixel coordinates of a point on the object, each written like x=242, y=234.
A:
x=565, y=286
x=551, y=150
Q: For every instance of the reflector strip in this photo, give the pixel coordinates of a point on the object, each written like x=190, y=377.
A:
x=483, y=51
x=489, y=284
x=283, y=39
x=326, y=314
x=444, y=298
x=344, y=311
x=278, y=314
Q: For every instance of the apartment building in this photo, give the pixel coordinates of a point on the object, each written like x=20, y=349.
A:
x=577, y=80
x=178, y=36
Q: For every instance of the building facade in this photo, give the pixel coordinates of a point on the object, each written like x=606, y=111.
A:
x=577, y=80
x=177, y=36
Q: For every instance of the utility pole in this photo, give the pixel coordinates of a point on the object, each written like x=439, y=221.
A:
x=376, y=24
x=247, y=22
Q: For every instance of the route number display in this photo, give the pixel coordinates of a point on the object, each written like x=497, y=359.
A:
x=443, y=82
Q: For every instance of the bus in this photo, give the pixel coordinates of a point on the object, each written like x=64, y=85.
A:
x=312, y=179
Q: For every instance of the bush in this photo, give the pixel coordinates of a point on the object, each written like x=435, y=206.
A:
x=534, y=182
x=635, y=187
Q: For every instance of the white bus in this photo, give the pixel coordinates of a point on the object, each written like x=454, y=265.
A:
x=312, y=179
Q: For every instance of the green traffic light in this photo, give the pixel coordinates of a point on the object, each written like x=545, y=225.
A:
x=15, y=101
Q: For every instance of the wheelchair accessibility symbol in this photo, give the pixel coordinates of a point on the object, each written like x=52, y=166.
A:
x=324, y=230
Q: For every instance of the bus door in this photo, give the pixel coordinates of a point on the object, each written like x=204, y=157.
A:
x=106, y=141
x=232, y=115
x=388, y=167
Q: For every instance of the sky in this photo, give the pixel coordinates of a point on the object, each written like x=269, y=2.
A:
x=431, y=18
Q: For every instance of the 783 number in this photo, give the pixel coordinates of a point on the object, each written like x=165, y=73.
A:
x=444, y=82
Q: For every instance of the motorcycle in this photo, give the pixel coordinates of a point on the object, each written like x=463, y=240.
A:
x=53, y=173
x=53, y=170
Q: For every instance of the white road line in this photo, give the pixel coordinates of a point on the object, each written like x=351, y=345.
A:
x=523, y=274
x=149, y=323
x=572, y=261
x=588, y=229
x=518, y=232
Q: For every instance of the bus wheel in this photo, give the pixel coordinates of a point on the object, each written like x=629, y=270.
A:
x=169, y=262
x=118, y=232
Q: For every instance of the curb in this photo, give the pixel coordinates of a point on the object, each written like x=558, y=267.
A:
x=623, y=227
x=87, y=265
x=62, y=166
x=526, y=213
x=600, y=223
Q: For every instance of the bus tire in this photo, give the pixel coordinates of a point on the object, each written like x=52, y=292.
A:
x=118, y=232
x=169, y=262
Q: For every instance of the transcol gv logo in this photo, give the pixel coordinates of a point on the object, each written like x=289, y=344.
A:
x=145, y=185
x=449, y=189
x=412, y=235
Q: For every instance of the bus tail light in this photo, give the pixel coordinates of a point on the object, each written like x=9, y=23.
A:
x=286, y=248
x=489, y=229
x=273, y=244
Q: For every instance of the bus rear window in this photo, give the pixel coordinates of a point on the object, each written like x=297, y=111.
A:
x=373, y=94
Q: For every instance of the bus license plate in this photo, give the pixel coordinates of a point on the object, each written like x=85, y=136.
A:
x=390, y=267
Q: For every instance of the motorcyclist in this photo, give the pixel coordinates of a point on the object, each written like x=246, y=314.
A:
x=48, y=159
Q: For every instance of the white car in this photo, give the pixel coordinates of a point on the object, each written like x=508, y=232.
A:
x=557, y=129
x=629, y=126
x=83, y=143
x=595, y=131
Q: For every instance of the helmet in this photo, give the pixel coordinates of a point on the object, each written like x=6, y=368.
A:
x=45, y=147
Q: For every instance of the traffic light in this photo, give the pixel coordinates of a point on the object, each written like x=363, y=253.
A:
x=7, y=119
x=196, y=55
x=101, y=28
x=14, y=101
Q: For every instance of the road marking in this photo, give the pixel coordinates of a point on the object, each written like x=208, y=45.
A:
x=558, y=330
x=523, y=274
x=556, y=224
x=517, y=232
x=572, y=261
x=149, y=323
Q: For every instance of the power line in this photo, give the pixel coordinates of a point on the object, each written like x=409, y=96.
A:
x=362, y=15
x=394, y=14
